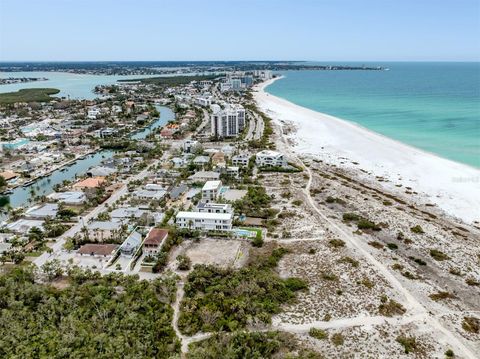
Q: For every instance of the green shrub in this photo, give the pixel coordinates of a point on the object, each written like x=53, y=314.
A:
x=438, y=255
x=336, y=243
x=409, y=343
x=318, y=333
x=184, y=263
x=391, y=308
x=471, y=324
x=392, y=246
x=351, y=217
x=365, y=224
x=337, y=339
x=417, y=229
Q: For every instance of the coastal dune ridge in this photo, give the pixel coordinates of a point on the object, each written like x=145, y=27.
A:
x=452, y=186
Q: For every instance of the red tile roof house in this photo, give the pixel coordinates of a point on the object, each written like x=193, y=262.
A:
x=154, y=240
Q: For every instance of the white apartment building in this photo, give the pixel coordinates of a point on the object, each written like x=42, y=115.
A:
x=211, y=190
x=267, y=158
x=205, y=221
x=227, y=122
x=204, y=101
x=214, y=207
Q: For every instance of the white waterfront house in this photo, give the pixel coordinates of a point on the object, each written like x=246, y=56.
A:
x=268, y=158
x=210, y=190
x=227, y=122
x=214, y=207
x=205, y=221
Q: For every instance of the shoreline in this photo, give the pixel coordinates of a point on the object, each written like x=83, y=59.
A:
x=453, y=186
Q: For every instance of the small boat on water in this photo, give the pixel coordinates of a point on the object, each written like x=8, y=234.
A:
x=8, y=191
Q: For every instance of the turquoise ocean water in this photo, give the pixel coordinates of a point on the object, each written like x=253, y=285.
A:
x=432, y=106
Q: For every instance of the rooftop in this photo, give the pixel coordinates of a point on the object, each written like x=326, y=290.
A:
x=204, y=215
x=211, y=185
x=156, y=236
x=90, y=182
x=97, y=249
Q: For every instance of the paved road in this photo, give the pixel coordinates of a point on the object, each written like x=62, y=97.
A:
x=57, y=247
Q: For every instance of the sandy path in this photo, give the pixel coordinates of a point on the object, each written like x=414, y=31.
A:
x=414, y=307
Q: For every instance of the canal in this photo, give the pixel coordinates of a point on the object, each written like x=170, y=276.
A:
x=24, y=196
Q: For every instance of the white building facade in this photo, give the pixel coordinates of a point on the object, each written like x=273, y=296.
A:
x=227, y=122
x=205, y=221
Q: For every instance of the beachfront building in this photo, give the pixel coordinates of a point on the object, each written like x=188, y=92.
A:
x=227, y=122
x=214, y=207
x=211, y=190
x=268, y=158
x=205, y=221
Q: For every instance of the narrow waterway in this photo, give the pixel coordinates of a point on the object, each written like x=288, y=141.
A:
x=23, y=196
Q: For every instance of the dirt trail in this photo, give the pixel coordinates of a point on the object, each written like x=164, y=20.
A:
x=414, y=307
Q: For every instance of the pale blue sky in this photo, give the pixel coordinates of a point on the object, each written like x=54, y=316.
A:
x=322, y=30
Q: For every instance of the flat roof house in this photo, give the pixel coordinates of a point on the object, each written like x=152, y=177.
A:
x=205, y=221
x=154, y=240
x=214, y=207
x=74, y=198
x=211, y=190
x=203, y=176
x=268, y=158
x=241, y=159
x=48, y=210
x=131, y=244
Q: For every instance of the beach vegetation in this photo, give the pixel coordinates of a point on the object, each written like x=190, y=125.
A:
x=353, y=262
x=242, y=344
x=392, y=246
x=336, y=243
x=367, y=283
x=409, y=344
x=472, y=282
x=390, y=307
x=351, y=217
x=230, y=299
x=441, y=295
x=417, y=229
x=471, y=325
x=329, y=276
x=376, y=244
x=184, y=262
x=449, y=353
x=318, y=333
x=337, y=339
x=438, y=255
x=365, y=224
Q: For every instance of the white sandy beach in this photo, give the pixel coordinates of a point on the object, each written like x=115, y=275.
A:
x=453, y=186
